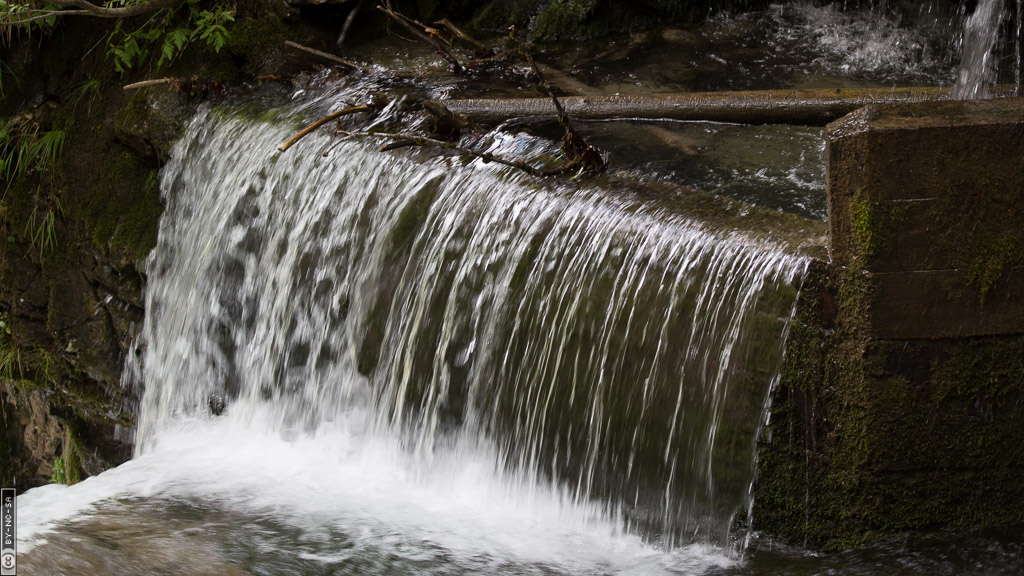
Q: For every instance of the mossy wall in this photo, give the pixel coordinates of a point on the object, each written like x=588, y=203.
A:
x=887, y=418
x=76, y=231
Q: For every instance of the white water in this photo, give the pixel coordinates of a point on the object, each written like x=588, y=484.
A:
x=876, y=45
x=447, y=359
x=978, y=67
x=366, y=489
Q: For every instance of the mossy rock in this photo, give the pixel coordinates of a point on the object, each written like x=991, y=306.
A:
x=123, y=209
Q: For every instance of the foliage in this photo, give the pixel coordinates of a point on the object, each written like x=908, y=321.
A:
x=59, y=471
x=21, y=17
x=11, y=368
x=172, y=29
x=169, y=28
x=24, y=151
x=43, y=232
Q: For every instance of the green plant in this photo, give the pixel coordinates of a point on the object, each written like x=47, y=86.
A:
x=89, y=91
x=42, y=230
x=60, y=474
x=22, y=17
x=23, y=150
x=173, y=29
x=10, y=357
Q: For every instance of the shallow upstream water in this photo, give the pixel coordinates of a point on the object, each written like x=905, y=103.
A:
x=415, y=363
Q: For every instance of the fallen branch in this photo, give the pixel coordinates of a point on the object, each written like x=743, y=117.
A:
x=323, y=55
x=85, y=8
x=348, y=22
x=407, y=140
x=456, y=32
x=574, y=147
x=191, y=86
x=415, y=27
x=148, y=83
x=305, y=131
x=803, y=107
x=445, y=121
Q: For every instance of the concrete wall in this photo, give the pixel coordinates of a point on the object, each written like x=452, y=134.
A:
x=930, y=200
x=901, y=405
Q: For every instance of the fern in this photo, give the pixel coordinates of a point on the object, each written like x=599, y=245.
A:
x=173, y=30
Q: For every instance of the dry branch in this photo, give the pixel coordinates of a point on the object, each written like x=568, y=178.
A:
x=458, y=33
x=420, y=31
x=323, y=55
x=805, y=107
x=348, y=22
x=305, y=131
x=85, y=8
x=407, y=140
x=148, y=83
x=445, y=121
x=574, y=147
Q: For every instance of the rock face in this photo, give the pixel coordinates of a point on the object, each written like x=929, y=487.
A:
x=901, y=404
x=76, y=229
x=76, y=235
x=32, y=439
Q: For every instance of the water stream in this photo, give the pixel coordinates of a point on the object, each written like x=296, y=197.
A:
x=415, y=337
x=978, y=68
x=412, y=362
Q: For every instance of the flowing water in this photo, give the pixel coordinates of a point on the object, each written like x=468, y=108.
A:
x=414, y=363
x=456, y=360
x=978, y=68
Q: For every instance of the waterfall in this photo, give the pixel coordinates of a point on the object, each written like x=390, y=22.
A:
x=574, y=337
x=978, y=67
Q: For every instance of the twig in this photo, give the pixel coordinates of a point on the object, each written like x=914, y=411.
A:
x=413, y=26
x=305, y=131
x=458, y=33
x=406, y=140
x=573, y=145
x=348, y=22
x=397, y=145
x=324, y=55
x=492, y=58
x=148, y=83
x=446, y=120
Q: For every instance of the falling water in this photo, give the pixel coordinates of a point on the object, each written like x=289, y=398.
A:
x=580, y=350
x=978, y=67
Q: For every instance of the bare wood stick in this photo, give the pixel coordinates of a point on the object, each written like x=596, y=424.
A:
x=414, y=27
x=397, y=145
x=574, y=147
x=803, y=107
x=406, y=140
x=305, y=131
x=323, y=55
x=148, y=83
x=348, y=22
x=493, y=58
x=458, y=33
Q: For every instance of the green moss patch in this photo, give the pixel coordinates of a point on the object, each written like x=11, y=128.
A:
x=123, y=209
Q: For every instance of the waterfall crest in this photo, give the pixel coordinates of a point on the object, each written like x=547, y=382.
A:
x=575, y=337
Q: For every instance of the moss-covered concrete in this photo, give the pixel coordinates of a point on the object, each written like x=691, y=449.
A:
x=889, y=419
x=870, y=438
x=928, y=198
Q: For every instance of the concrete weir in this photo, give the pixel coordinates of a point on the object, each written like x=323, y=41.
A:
x=901, y=403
